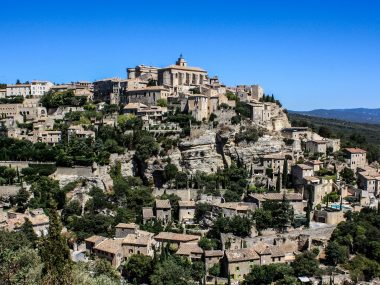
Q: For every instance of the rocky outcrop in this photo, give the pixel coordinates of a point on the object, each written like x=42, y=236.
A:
x=127, y=165
x=249, y=153
x=200, y=153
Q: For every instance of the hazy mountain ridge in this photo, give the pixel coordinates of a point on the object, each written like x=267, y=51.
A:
x=361, y=115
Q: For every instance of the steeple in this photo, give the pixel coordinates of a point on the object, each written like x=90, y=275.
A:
x=181, y=61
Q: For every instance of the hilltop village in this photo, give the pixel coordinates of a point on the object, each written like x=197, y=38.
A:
x=169, y=173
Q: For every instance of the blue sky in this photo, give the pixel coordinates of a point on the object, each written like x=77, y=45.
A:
x=310, y=54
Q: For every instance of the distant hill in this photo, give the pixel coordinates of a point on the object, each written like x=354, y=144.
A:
x=359, y=115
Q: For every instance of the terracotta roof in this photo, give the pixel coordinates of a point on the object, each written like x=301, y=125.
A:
x=186, y=203
x=168, y=236
x=110, y=245
x=214, y=253
x=355, y=150
x=95, y=239
x=311, y=178
x=163, y=204
x=141, y=238
x=127, y=226
x=237, y=206
x=244, y=254
x=148, y=213
x=134, y=106
x=148, y=88
x=189, y=248
x=304, y=166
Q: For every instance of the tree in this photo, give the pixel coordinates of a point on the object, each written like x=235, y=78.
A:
x=278, y=181
x=348, y=175
x=305, y=264
x=172, y=271
x=267, y=274
x=55, y=253
x=20, y=267
x=198, y=271
x=28, y=231
x=336, y=253
x=207, y=244
x=263, y=219
x=170, y=171
x=139, y=268
x=21, y=199
x=214, y=270
x=285, y=174
x=10, y=174
x=102, y=267
x=162, y=102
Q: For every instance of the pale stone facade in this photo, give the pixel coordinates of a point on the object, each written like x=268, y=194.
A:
x=35, y=88
x=355, y=157
x=316, y=147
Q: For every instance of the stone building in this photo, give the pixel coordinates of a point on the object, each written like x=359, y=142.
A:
x=123, y=229
x=355, y=157
x=300, y=171
x=110, y=249
x=329, y=216
x=138, y=242
x=163, y=210
x=247, y=93
x=144, y=72
x=35, y=89
x=164, y=238
x=148, y=95
x=108, y=90
x=212, y=257
x=369, y=180
x=316, y=147
x=186, y=211
x=181, y=76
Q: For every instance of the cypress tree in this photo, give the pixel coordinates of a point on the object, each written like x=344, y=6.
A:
x=278, y=181
x=55, y=253
x=28, y=231
x=285, y=174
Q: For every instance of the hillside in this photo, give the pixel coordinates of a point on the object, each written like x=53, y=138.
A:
x=352, y=134
x=360, y=115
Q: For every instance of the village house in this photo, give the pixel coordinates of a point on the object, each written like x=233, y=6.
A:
x=355, y=157
x=79, y=132
x=123, y=229
x=93, y=241
x=300, y=171
x=212, y=257
x=369, y=180
x=108, y=90
x=110, y=249
x=192, y=251
x=186, y=211
x=295, y=199
x=147, y=214
x=37, y=217
x=138, y=242
x=315, y=164
x=329, y=216
x=35, y=89
x=164, y=238
x=274, y=161
x=147, y=114
x=238, y=263
x=163, y=210
x=316, y=147
x=247, y=93
x=148, y=95
x=231, y=209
